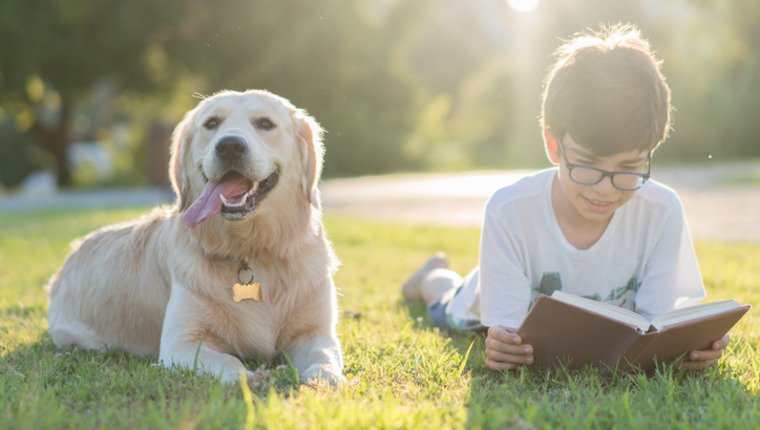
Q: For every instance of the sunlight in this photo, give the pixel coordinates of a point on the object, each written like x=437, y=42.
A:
x=523, y=5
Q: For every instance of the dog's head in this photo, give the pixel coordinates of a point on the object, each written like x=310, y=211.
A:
x=237, y=150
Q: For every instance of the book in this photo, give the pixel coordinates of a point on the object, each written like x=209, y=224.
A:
x=576, y=331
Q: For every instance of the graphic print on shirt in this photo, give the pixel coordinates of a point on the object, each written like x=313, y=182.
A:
x=550, y=282
x=622, y=296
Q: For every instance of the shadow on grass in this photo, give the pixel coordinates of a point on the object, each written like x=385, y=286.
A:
x=595, y=398
x=43, y=387
x=592, y=398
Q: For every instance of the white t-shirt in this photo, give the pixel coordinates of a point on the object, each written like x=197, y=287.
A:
x=644, y=261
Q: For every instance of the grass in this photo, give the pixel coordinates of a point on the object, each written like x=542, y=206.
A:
x=402, y=373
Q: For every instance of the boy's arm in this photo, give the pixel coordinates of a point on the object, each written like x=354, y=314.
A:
x=672, y=279
x=504, y=290
x=671, y=275
x=504, y=287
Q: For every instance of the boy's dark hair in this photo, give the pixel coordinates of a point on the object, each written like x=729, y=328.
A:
x=607, y=91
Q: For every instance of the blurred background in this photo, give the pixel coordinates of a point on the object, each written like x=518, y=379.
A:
x=90, y=90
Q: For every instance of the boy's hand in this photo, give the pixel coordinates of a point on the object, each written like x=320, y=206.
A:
x=699, y=360
x=505, y=351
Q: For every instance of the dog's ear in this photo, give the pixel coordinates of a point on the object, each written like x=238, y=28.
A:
x=178, y=169
x=311, y=151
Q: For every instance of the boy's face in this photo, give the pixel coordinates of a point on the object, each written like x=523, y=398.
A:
x=594, y=203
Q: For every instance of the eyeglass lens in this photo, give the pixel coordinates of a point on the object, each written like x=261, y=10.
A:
x=588, y=176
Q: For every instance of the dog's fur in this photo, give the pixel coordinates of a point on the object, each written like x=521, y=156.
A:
x=154, y=287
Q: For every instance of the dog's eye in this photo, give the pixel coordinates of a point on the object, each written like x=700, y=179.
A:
x=212, y=123
x=265, y=124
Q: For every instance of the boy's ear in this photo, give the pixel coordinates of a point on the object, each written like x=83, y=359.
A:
x=551, y=146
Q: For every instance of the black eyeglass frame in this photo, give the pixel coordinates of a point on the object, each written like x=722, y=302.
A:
x=605, y=173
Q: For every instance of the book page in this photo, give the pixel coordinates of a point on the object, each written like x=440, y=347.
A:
x=693, y=312
x=606, y=309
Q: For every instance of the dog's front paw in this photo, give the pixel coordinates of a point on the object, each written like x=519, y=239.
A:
x=317, y=373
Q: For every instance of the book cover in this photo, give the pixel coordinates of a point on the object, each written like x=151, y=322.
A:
x=563, y=333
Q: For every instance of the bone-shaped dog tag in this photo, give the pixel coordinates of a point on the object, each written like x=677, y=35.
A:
x=242, y=292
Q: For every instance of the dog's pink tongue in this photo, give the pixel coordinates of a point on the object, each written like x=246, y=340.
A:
x=209, y=203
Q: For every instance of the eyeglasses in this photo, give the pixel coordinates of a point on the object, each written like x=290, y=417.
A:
x=589, y=175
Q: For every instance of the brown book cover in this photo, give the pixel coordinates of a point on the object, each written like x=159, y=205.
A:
x=564, y=333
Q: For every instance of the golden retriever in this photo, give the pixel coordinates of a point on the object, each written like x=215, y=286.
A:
x=245, y=168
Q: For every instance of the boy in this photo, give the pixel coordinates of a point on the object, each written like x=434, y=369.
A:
x=594, y=225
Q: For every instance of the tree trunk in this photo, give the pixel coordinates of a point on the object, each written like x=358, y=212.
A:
x=59, y=148
x=56, y=138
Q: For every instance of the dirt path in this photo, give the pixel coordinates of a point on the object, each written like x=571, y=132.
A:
x=716, y=207
x=714, y=211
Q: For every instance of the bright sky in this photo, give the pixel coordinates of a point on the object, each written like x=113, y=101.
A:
x=523, y=5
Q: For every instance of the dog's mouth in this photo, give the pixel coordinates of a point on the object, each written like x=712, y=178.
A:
x=234, y=196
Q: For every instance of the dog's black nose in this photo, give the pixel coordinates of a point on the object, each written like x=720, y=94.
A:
x=231, y=148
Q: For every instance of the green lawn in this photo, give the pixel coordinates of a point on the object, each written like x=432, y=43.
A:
x=401, y=372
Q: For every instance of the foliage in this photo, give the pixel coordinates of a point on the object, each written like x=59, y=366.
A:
x=13, y=172
x=55, y=53
x=398, y=85
x=330, y=58
x=402, y=373
x=715, y=91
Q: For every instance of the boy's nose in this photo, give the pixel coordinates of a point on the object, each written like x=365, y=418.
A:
x=604, y=186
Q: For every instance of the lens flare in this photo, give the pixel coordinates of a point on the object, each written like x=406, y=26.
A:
x=523, y=5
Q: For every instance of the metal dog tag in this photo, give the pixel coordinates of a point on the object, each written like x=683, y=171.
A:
x=242, y=292
x=246, y=290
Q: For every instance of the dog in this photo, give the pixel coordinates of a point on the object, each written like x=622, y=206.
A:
x=245, y=167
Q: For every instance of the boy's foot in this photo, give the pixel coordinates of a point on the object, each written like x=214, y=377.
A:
x=411, y=288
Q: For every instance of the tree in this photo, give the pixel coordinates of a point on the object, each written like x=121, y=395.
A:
x=55, y=51
x=331, y=57
x=713, y=74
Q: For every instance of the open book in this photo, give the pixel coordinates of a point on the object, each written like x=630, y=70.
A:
x=577, y=331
